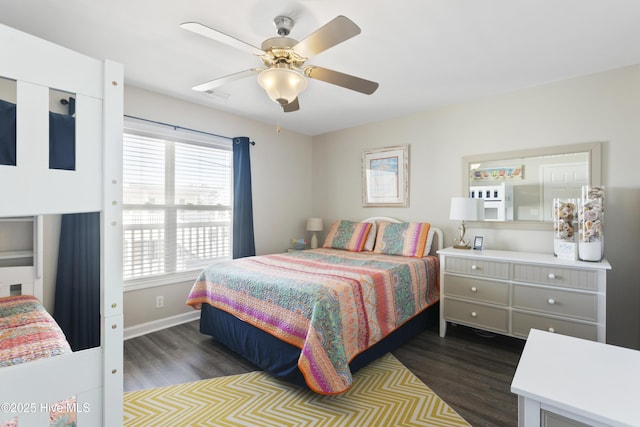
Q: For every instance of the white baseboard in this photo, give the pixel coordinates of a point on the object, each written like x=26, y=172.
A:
x=156, y=325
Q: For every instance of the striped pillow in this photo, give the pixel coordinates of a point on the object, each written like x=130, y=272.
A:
x=347, y=235
x=371, y=238
x=405, y=238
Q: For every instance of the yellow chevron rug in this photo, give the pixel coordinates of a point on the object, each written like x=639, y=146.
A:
x=385, y=393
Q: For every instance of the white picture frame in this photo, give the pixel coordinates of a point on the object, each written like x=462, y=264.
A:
x=385, y=177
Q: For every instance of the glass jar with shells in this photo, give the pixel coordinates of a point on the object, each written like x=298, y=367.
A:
x=564, y=239
x=590, y=224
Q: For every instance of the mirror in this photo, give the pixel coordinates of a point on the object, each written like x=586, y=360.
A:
x=518, y=187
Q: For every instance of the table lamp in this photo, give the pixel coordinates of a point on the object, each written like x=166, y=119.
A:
x=313, y=225
x=465, y=209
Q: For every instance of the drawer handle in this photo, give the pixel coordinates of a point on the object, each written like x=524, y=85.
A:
x=474, y=289
x=474, y=314
x=551, y=276
x=474, y=267
x=551, y=301
x=552, y=330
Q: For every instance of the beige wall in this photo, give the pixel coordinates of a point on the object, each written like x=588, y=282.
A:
x=281, y=183
x=601, y=107
x=295, y=176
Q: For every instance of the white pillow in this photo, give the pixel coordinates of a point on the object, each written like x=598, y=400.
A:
x=371, y=238
x=427, y=246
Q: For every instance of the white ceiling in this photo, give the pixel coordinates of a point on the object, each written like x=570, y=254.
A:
x=424, y=53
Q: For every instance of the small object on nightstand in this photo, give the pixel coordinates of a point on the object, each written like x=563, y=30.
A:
x=298, y=244
x=314, y=224
x=477, y=243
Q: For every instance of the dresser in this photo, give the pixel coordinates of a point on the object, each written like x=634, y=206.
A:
x=510, y=293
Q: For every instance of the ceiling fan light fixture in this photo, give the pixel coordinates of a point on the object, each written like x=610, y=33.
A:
x=282, y=84
x=286, y=74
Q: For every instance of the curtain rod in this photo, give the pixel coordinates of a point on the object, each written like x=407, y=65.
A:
x=176, y=127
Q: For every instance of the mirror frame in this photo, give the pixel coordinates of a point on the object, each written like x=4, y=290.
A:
x=593, y=149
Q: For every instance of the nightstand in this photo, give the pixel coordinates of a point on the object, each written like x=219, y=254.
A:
x=563, y=381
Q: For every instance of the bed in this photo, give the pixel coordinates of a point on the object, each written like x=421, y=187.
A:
x=34, y=69
x=314, y=317
x=28, y=332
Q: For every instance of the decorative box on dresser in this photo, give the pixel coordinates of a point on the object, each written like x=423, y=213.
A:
x=512, y=292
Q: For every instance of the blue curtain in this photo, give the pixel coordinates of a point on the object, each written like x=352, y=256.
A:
x=77, y=303
x=7, y=133
x=243, y=241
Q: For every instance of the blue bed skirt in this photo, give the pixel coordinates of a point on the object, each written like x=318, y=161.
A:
x=281, y=359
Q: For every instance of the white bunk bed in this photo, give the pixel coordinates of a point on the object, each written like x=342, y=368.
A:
x=30, y=188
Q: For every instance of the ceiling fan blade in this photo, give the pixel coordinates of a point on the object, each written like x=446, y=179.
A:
x=340, y=79
x=292, y=106
x=216, y=35
x=212, y=84
x=336, y=31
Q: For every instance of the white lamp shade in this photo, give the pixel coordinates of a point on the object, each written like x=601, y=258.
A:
x=314, y=224
x=466, y=209
x=282, y=84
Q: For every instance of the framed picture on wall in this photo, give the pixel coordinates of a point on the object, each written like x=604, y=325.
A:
x=385, y=177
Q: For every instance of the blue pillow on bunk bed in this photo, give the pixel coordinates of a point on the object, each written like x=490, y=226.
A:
x=7, y=133
x=62, y=141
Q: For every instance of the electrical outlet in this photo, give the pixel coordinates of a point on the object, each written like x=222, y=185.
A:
x=159, y=301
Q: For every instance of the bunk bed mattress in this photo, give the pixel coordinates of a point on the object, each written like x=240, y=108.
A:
x=331, y=304
x=28, y=332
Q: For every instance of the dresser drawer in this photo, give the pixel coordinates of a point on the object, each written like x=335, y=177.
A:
x=580, y=305
x=549, y=419
x=477, y=289
x=521, y=323
x=556, y=276
x=492, y=318
x=475, y=267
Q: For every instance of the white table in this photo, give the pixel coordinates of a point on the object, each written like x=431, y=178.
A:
x=593, y=383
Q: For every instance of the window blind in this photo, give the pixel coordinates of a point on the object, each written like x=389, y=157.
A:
x=176, y=204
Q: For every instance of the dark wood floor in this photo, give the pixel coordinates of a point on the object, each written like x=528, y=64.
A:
x=469, y=371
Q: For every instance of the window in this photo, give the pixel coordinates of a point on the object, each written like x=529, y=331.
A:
x=176, y=203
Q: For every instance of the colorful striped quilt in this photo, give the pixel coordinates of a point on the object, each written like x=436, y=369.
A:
x=332, y=304
x=28, y=332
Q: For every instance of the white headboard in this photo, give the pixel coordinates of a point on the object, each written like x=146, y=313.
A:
x=438, y=237
x=22, y=276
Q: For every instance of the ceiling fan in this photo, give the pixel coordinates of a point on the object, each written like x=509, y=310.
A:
x=284, y=76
